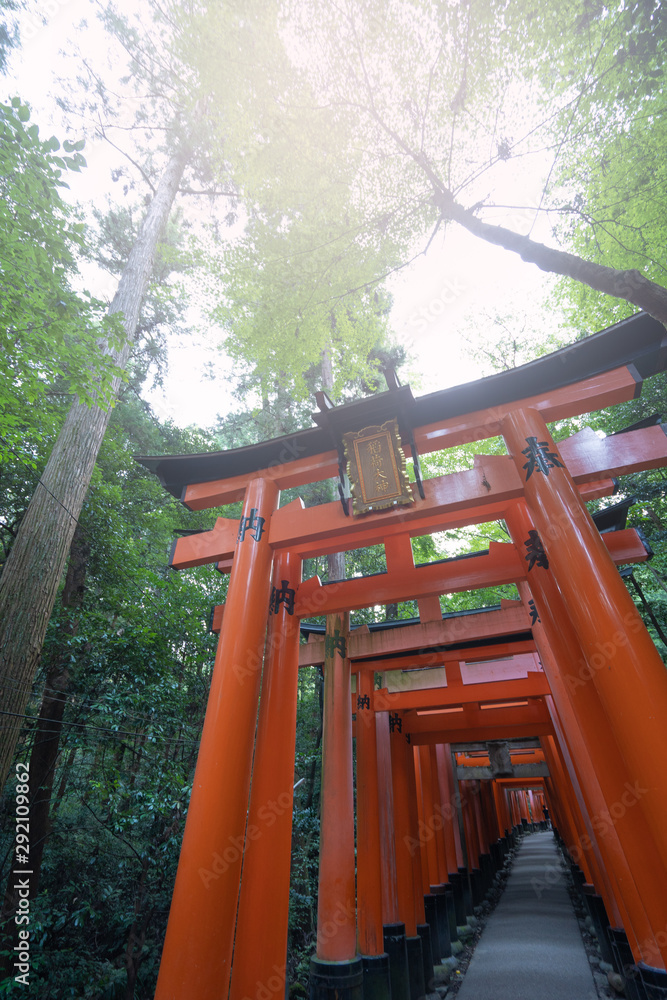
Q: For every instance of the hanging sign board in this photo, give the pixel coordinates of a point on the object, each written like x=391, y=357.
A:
x=376, y=468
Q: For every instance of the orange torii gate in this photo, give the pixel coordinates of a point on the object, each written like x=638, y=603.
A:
x=600, y=725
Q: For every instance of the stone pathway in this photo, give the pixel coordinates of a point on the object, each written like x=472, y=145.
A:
x=531, y=947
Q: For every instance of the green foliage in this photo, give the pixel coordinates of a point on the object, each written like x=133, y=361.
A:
x=52, y=339
x=609, y=185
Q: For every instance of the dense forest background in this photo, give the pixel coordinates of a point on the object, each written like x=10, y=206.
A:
x=270, y=166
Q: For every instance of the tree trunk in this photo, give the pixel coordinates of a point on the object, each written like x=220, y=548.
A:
x=629, y=285
x=47, y=739
x=31, y=575
x=46, y=744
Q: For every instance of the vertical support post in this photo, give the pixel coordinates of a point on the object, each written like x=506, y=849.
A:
x=260, y=948
x=394, y=930
x=611, y=796
x=450, y=802
x=197, y=953
x=406, y=849
x=369, y=866
x=336, y=971
x=336, y=909
x=375, y=960
x=624, y=665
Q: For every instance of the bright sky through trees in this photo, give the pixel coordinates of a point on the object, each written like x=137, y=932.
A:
x=457, y=286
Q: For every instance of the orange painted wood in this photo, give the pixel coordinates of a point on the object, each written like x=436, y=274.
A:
x=459, y=498
x=535, y=712
x=462, y=733
x=197, y=953
x=502, y=564
x=207, y=546
x=369, y=866
x=468, y=628
x=628, y=843
x=533, y=686
x=448, y=790
x=386, y=816
x=441, y=818
x=625, y=668
x=264, y=899
x=405, y=845
x=285, y=474
x=336, y=902
x=428, y=825
x=583, y=397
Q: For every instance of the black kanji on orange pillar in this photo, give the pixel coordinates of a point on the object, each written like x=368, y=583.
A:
x=535, y=553
x=251, y=523
x=395, y=723
x=539, y=457
x=285, y=596
x=335, y=642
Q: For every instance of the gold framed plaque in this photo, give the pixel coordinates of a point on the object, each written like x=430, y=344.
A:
x=376, y=468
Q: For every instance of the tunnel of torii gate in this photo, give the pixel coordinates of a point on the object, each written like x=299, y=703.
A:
x=482, y=721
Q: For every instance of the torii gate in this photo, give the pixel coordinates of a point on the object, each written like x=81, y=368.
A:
x=600, y=723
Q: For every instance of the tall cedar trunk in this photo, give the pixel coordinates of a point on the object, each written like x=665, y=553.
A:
x=45, y=749
x=31, y=575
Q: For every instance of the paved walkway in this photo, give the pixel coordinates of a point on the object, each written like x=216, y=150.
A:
x=531, y=947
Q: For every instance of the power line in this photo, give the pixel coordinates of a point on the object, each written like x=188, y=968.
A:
x=99, y=729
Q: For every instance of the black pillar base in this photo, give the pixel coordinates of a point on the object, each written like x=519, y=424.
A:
x=424, y=932
x=377, y=977
x=467, y=893
x=395, y=946
x=653, y=980
x=488, y=870
x=456, y=882
x=336, y=980
x=431, y=913
x=598, y=915
x=444, y=935
x=477, y=885
x=624, y=964
x=497, y=855
x=451, y=913
x=416, y=968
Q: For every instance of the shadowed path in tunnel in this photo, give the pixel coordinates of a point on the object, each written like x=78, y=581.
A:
x=531, y=946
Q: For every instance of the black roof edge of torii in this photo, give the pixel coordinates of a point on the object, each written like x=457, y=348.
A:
x=639, y=340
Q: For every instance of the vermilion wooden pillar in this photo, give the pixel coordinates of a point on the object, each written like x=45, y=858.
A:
x=369, y=862
x=336, y=905
x=441, y=819
x=448, y=792
x=387, y=836
x=260, y=947
x=468, y=795
x=196, y=959
x=613, y=799
x=405, y=847
x=621, y=659
x=431, y=823
x=501, y=808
